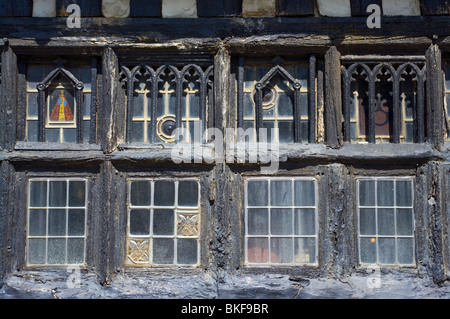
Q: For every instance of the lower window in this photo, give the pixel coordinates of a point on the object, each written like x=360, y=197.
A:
x=56, y=228
x=163, y=222
x=386, y=221
x=281, y=221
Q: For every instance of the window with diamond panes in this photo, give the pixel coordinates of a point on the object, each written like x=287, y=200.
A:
x=281, y=223
x=56, y=227
x=386, y=221
x=164, y=98
x=384, y=99
x=163, y=222
x=61, y=103
x=279, y=96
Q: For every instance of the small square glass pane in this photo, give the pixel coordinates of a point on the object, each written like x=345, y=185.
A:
x=36, y=251
x=386, y=221
x=140, y=193
x=164, y=194
x=69, y=135
x=281, y=250
x=56, y=222
x=188, y=193
x=75, y=250
x=405, y=222
x=367, y=219
x=140, y=222
x=385, y=193
x=305, y=250
x=281, y=221
x=38, y=222
x=368, y=250
x=304, y=193
x=403, y=193
x=38, y=194
x=386, y=250
x=405, y=251
x=77, y=193
x=258, y=250
x=163, y=250
x=257, y=193
x=163, y=222
x=187, y=251
x=76, y=221
x=281, y=193
x=56, y=253
x=305, y=221
x=258, y=221
x=137, y=132
x=57, y=193
x=366, y=193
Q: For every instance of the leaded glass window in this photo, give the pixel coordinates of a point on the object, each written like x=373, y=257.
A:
x=277, y=95
x=163, y=222
x=162, y=98
x=281, y=222
x=384, y=99
x=56, y=228
x=61, y=103
x=386, y=221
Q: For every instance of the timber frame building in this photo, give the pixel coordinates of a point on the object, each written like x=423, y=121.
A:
x=89, y=188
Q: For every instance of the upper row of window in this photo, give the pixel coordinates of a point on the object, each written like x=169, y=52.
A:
x=383, y=101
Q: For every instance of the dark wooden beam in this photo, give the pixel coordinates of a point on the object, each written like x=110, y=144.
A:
x=17, y=8
x=359, y=7
x=219, y=8
x=9, y=98
x=292, y=8
x=145, y=8
x=435, y=7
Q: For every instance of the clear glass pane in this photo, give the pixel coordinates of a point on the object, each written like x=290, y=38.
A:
x=281, y=193
x=77, y=193
x=70, y=135
x=56, y=222
x=248, y=105
x=138, y=105
x=386, y=250
x=367, y=219
x=304, y=102
x=140, y=193
x=187, y=251
x=75, y=250
x=286, y=131
x=258, y=250
x=305, y=221
x=140, y=222
x=305, y=250
x=34, y=76
x=57, y=193
x=188, y=193
x=137, y=132
x=163, y=222
x=32, y=131
x=405, y=222
x=258, y=221
x=32, y=110
x=386, y=221
x=385, y=193
x=405, y=251
x=86, y=104
x=367, y=250
x=403, y=193
x=164, y=193
x=76, y=222
x=257, y=193
x=52, y=135
x=37, y=222
x=304, y=193
x=163, y=250
x=281, y=250
x=38, y=194
x=56, y=251
x=281, y=221
x=86, y=131
x=286, y=104
x=366, y=193
x=36, y=251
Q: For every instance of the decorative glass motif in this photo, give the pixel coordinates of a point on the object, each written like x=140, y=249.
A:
x=164, y=98
x=384, y=101
x=278, y=96
x=60, y=104
x=163, y=222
